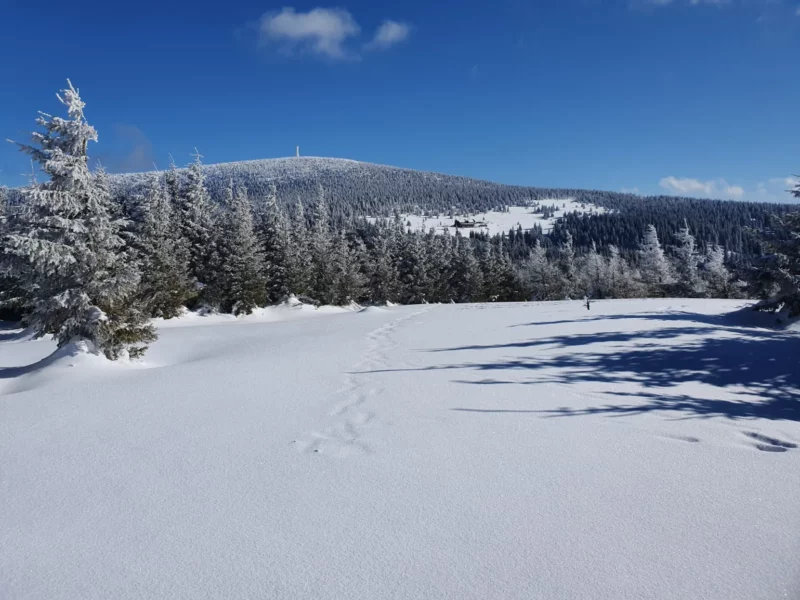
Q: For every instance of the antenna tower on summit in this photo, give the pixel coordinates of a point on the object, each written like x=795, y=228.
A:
x=298, y=152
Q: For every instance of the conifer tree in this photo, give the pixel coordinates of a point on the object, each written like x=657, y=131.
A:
x=298, y=256
x=653, y=266
x=545, y=280
x=322, y=277
x=466, y=278
x=198, y=223
x=383, y=275
x=241, y=282
x=621, y=281
x=11, y=295
x=439, y=249
x=687, y=263
x=166, y=286
x=489, y=272
x=593, y=274
x=777, y=277
x=508, y=288
x=566, y=262
x=347, y=260
x=718, y=280
x=80, y=283
x=173, y=190
x=413, y=270
x=273, y=232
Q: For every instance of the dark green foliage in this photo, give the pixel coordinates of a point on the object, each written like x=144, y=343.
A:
x=240, y=283
x=165, y=286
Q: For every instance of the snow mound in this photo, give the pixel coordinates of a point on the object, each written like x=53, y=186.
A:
x=289, y=310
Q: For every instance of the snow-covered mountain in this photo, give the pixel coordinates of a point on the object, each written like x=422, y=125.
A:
x=364, y=188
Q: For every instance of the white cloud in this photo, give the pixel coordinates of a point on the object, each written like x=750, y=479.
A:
x=322, y=31
x=771, y=190
x=389, y=34
x=715, y=188
x=733, y=191
x=787, y=182
x=797, y=11
x=775, y=189
x=687, y=186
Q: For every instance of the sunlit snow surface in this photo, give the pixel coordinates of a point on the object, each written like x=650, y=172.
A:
x=495, y=222
x=641, y=449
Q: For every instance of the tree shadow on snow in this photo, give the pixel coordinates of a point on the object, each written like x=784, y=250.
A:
x=64, y=353
x=759, y=365
x=747, y=318
x=11, y=332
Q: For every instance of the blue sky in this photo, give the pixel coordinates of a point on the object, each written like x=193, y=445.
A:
x=657, y=96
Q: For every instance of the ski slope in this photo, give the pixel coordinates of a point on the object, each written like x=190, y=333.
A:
x=644, y=449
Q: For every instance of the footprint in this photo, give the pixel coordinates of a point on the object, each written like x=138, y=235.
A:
x=769, y=444
x=342, y=438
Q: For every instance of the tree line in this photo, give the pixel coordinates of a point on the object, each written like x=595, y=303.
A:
x=80, y=263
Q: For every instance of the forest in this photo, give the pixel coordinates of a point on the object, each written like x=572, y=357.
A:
x=91, y=255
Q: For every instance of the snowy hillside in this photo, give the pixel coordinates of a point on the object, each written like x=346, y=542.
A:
x=360, y=187
x=366, y=189
x=643, y=449
x=498, y=222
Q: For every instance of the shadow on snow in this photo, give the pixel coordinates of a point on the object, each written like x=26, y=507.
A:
x=759, y=365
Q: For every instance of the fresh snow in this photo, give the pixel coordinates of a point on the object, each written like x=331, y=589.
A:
x=641, y=449
x=498, y=222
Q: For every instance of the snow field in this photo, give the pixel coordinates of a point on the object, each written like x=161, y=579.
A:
x=500, y=222
x=642, y=449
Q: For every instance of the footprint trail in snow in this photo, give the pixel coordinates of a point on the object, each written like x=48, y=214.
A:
x=350, y=412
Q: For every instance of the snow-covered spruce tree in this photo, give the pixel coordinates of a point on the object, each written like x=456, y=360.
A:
x=80, y=283
x=166, y=286
x=240, y=283
x=545, y=280
x=272, y=228
x=718, y=280
x=487, y=261
x=621, y=281
x=347, y=260
x=508, y=285
x=466, y=280
x=566, y=262
x=440, y=251
x=321, y=286
x=383, y=275
x=172, y=184
x=172, y=187
x=592, y=274
x=777, y=277
x=412, y=270
x=687, y=265
x=653, y=266
x=197, y=216
x=11, y=296
x=298, y=254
